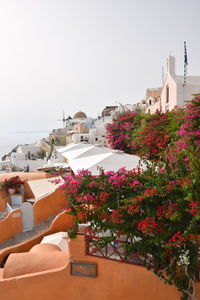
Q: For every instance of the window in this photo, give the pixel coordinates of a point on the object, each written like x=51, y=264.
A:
x=166, y=108
x=149, y=102
x=167, y=94
x=96, y=139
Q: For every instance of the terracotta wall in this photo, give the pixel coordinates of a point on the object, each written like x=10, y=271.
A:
x=114, y=281
x=27, y=191
x=25, y=177
x=11, y=225
x=49, y=206
x=42, y=209
x=61, y=223
x=154, y=93
x=4, y=198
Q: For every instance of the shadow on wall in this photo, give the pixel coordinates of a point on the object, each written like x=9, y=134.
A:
x=61, y=223
x=49, y=206
x=42, y=210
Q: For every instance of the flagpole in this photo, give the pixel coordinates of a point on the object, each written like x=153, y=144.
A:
x=185, y=63
x=185, y=70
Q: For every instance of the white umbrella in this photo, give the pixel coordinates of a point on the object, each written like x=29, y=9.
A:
x=59, y=239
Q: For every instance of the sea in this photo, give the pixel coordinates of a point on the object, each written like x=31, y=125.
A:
x=10, y=140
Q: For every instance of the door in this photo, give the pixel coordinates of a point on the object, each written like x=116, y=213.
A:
x=27, y=216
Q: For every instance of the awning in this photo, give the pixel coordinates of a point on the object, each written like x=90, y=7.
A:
x=74, y=151
x=43, y=187
x=72, y=146
x=106, y=161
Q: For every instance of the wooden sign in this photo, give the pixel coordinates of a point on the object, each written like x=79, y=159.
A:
x=83, y=269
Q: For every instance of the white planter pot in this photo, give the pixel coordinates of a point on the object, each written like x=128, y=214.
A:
x=11, y=191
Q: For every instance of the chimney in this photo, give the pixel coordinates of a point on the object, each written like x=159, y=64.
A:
x=171, y=65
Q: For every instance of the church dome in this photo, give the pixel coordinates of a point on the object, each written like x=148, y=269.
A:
x=80, y=115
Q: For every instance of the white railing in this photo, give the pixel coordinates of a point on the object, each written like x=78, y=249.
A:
x=9, y=208
x=3, y=214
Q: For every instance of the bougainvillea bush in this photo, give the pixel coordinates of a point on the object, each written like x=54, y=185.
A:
x=183, y=154
x=158, y=209
x=153, y=137
x=143, y=134
x=13, y=182
x=119, y=133
x=152, y=208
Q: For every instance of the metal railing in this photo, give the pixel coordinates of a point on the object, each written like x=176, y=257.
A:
x=115, y=250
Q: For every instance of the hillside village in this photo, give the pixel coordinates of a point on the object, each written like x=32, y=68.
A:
x=47, y=253
x=81, y=128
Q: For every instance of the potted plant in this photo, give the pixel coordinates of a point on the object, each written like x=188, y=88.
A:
x=11, y=185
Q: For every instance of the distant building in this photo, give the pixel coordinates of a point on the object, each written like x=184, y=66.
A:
x=27, y=156
x=5, y=165
x=80, y=123
x=80, y=116
x=80, y=128
x=174, y=91
x=153, y=99
x=58, y=137
x=108, y=110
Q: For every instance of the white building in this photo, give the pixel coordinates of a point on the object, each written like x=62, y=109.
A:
x=174, y=91
x=80, y=123
x=5, y=165
x=27, y=157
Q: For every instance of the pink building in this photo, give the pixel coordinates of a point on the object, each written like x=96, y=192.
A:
x=174, y=91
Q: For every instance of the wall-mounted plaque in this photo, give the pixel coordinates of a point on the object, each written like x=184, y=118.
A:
x=83, y=269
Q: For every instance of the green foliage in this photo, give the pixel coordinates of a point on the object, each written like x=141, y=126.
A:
x=157, y=209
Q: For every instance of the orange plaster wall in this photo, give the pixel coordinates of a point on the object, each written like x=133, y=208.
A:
x=26, y=175
x=10, y=226
x=61, y=223
x=27, y=191
x=115, y=281
x=49, y=206
x=4, y=198
x=26, y=263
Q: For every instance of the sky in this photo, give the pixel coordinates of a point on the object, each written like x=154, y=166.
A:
x=77, y=55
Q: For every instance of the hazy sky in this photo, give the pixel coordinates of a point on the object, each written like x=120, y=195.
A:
x=76, y=55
